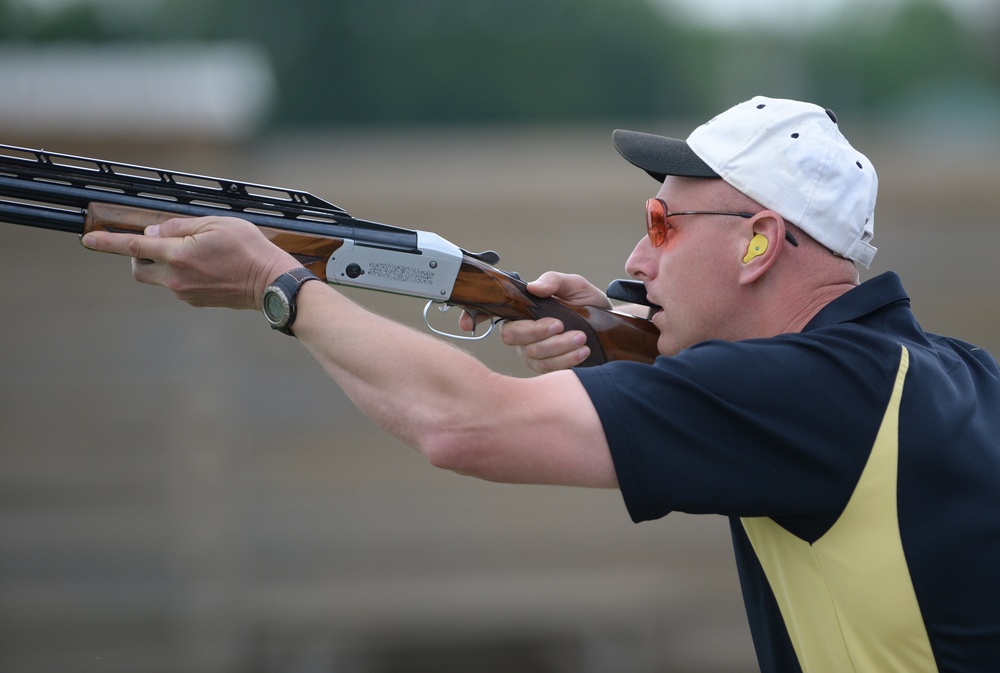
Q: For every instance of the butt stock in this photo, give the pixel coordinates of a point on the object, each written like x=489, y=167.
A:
x=610, y=335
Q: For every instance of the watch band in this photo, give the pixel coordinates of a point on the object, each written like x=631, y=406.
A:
x=279, y=303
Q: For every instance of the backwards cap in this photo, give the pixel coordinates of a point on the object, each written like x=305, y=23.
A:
x=786, y=155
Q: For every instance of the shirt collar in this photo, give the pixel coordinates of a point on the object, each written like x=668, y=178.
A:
x=873, y=295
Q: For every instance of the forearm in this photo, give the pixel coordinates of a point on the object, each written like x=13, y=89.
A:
x=400, y=378
x=451, y=407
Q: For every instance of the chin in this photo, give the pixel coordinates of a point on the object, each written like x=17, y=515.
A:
x=666, y=347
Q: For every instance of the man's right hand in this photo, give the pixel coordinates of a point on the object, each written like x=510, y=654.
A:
x=543, y=345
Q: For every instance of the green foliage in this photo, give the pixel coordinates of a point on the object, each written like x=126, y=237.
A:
x=491, y=60
x=868, y=62
x=925, y=44
x=74, y=22
x=427, y=61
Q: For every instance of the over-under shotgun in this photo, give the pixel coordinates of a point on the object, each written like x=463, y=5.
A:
x=78, y=195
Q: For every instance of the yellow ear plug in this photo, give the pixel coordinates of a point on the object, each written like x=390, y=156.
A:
x=758, y=245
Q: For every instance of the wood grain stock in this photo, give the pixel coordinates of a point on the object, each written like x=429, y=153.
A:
x=610, y=335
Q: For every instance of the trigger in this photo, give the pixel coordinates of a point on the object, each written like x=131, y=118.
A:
x=474, y=315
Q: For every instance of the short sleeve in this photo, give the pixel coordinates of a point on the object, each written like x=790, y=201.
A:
x=778, y=427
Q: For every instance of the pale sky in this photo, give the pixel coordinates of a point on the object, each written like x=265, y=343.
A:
x=789, y=14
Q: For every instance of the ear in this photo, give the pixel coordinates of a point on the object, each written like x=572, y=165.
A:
x=764, y=242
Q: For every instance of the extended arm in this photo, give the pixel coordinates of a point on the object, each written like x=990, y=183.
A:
x=434, y=397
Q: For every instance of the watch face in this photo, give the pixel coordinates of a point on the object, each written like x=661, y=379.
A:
x=275, y=306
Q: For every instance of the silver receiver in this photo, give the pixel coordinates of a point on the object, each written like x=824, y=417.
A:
x=428, y=272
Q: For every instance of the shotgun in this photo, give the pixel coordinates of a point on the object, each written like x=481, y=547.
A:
x=76, y=194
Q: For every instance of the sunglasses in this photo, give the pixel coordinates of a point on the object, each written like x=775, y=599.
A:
x=657, y=214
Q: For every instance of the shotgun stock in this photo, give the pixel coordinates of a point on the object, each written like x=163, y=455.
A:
x=79, y=195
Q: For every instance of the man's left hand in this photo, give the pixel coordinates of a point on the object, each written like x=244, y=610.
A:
x=206, y=261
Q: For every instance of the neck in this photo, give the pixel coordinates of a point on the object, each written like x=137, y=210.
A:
x=798, y=292
x=803, y=309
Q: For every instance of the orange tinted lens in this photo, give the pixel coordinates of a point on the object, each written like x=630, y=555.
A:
x=656, y=222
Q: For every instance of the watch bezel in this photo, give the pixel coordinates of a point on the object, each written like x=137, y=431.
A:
x=284, y=288
x=277, y=321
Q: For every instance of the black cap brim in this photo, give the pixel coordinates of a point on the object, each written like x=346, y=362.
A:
x=660, y=156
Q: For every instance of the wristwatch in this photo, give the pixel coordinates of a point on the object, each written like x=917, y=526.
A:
x=278, y=301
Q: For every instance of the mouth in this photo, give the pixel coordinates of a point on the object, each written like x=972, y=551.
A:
x=633, y=292
x=654, y=312
x=654, y=308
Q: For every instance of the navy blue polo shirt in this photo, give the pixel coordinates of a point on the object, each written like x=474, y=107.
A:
x=859, y=463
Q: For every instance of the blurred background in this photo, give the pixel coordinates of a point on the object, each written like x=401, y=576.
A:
x=184, y=490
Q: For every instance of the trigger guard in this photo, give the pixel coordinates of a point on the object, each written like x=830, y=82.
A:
x=460, y=337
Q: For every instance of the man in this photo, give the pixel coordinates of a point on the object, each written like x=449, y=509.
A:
x=857, y=457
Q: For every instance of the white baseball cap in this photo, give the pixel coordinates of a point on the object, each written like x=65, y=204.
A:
x=786, y=155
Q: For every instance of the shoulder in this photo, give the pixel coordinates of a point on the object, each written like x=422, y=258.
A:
x=829, y=362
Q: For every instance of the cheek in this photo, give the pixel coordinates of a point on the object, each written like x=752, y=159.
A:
x=695, y=288
x=689, y=272
x=712, y=266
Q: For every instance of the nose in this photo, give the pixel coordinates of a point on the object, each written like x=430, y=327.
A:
x=639, y=264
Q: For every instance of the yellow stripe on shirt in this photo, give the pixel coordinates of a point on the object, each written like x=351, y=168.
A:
x=847, y=599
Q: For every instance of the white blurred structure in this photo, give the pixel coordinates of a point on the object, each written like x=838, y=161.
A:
x=182, y=91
